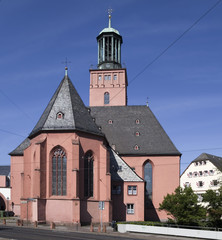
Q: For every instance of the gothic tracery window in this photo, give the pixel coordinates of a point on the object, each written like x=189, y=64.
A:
x=88, y=174
x=148, y=177
x=59, y=168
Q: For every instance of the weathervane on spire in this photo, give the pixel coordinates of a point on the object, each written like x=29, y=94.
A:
x=110, y=12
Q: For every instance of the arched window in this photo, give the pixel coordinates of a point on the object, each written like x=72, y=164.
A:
x=106, y=98
x=148, y=177
x=59, y=165
x=88, y=174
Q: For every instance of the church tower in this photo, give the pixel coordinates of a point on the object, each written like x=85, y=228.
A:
x=108, y=83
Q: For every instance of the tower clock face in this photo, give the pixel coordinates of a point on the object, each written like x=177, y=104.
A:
x=107, y=65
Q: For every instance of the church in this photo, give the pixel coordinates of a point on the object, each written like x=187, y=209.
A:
x=108, y=159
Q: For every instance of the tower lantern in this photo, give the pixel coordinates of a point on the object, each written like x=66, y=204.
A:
x=109, y=47
x=108, y=83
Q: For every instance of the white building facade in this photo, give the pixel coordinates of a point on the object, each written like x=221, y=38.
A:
x=204, y=173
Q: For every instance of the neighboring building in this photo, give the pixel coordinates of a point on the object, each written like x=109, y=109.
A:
x=76, y=157
x=5, y=190
x=203, y=173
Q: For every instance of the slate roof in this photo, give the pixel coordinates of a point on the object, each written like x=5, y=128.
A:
x=217, y=161
x=5, y=170
x=152, y=139
x=120, y=171
x=76, y=116
x=19, y=150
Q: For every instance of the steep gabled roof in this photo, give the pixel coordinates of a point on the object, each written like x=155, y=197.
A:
x=129, y=126
x=75, y=115
x=217, y=161
x=20, y=149
x=120, y=170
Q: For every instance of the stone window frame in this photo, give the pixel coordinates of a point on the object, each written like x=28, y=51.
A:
x=59, y=171
x=130, y=208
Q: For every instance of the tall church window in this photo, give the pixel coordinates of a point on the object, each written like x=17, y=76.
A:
x=148, y=177
x=59, y=168
x=106, y=98
x=88, y=174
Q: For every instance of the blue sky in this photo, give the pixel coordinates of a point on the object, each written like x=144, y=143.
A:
x=183, y=85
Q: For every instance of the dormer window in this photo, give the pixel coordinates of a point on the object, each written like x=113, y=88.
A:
x=136, y=147
x=120, y=169
x=60, y=115
x=137, y=134
x=137, y=121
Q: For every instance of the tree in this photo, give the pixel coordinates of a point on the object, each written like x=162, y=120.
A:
x=183, y=207
x=214, y=206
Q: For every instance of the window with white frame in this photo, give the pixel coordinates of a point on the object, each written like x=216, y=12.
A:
x=132, y=190
x=211, y=172
x=200, y=173
x=195, y=174
x=114, y=77
x=205, y=173
x=130, y=208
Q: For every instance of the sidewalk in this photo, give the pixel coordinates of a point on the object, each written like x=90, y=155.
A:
x=87, y=229
x=59, y=227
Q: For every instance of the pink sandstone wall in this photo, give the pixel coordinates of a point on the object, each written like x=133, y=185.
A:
x=2, y=181
x=16, y=182
x=166, y=175
x=137, y=200
x=36, y=178
x=116, y=88
x=59, y=211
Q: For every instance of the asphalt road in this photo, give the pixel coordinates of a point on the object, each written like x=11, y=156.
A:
x=23, y=233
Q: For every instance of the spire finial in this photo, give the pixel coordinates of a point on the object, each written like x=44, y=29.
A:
x=66, y=66
x=147, y=102
x=66, y=71
x=110, y=12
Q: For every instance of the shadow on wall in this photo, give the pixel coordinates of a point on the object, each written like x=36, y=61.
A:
x=119, y=208
x=2, y=204
x=151, y=212
x=85, y=216
x=117, y=190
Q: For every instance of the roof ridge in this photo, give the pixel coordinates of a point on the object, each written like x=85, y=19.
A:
x=69, y=85
x=47, y=109
x=115, y=156
x=66, y=111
